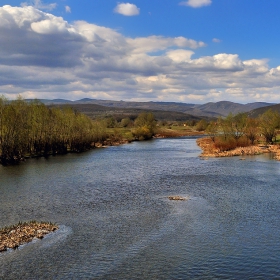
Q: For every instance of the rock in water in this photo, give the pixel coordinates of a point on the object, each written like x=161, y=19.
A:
x=176, y=197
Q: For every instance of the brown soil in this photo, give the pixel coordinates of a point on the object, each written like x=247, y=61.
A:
x=14, y=236
x=209, y=150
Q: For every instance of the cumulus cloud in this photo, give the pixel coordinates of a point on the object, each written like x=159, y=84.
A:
x=223, y=61
x=196, y=3
x=44, y=56
x=180, y=55
x=127, y=9
x=157, y=43
x=38, y=4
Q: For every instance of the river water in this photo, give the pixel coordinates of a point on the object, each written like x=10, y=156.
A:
x=117, y=223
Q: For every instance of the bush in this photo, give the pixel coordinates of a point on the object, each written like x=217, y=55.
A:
x=145, y=125
x=142, y=133
x=225, y=144
x=230, y=143
x=243, y=142
x=125, y=122
x=201, y=125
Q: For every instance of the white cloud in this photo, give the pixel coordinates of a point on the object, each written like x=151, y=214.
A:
x=196, y=3
x=127, y=9
x=157, y=43
x=67, y=9
x=216, y=40
x=222, y=61
x=180, y=55
x=38, y=4
x=44, y=56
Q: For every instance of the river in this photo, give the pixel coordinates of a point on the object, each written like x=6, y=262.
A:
x=116, y=221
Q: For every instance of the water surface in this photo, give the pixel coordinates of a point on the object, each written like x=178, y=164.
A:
x=117, y=223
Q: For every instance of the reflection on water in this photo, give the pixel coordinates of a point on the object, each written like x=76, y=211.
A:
x=117, y=223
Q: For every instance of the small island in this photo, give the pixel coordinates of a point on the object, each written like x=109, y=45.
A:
x=12, y=237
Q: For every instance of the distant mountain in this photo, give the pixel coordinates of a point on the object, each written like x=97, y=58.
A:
x=256, y=112
x=165, y=106
x=189, y=111
x=211, y=109
x=223, y=108
x=255, y=105
x=51, y=101
x=95, y=111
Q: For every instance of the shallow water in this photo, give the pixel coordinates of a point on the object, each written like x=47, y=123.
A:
x=117, y=223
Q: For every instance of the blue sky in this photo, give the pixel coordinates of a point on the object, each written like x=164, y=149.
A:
x=193, y=51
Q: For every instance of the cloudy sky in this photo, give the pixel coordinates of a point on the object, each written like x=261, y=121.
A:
x=192, y=51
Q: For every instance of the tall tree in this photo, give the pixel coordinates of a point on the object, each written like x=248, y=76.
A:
x=145, y=126
x=269, y=122
x=252, y=130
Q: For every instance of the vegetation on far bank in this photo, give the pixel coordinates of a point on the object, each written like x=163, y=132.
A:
x=31, y=129
x=239, y=134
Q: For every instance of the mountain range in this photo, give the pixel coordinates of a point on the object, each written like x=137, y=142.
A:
x=162, y=110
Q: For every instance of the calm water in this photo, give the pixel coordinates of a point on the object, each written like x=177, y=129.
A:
x=117, y=223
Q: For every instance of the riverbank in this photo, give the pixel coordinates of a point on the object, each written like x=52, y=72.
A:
x=176, y=132
x=161, y=132
x=209, y=149
x=13, y=236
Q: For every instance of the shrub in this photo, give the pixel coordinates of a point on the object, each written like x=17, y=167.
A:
x=201, y=125
x=230, y=143
x=142, y=133
x=225, y=144
x=145, y=125
x=243, y=142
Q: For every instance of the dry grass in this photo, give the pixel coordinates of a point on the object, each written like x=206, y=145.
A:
x=207, y=146
x=209, y=149
x=275, y=149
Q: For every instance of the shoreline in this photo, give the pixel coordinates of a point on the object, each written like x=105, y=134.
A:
x=12, y=237
x=161, y=133
x=205, y=143
x=209, y=150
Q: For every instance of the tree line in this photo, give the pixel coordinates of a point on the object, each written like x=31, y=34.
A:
x=33, y=129
x=29, y=129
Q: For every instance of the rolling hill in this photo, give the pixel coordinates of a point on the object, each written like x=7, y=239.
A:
x=162, y=110
x=223, y=108
x=256, y=112
x=95, y=111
